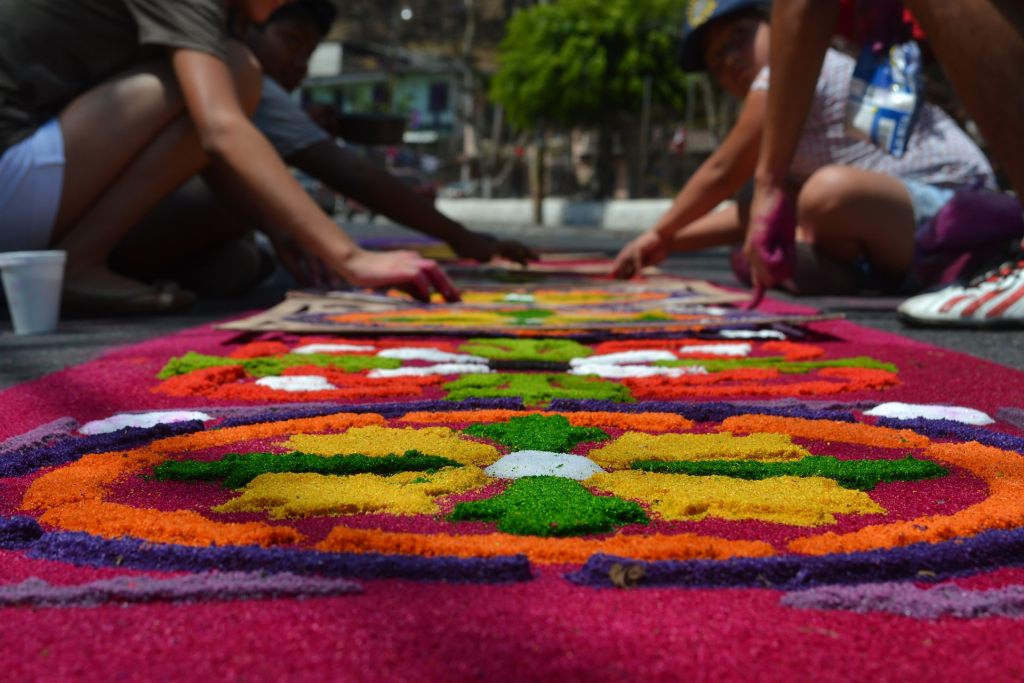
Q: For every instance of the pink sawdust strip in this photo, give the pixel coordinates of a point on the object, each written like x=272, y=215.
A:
x=546, y=630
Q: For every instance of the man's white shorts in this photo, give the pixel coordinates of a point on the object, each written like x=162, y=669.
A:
x=31, y=181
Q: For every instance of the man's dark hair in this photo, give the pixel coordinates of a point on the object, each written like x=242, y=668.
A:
x=320, y=13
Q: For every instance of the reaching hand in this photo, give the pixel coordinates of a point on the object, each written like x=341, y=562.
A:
x=646, y=250
x=483, y=248
x=770, y=246
x=406, y=270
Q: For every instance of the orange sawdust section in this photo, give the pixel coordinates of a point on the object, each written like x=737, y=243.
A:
x=544, y=551
x=112, y=520
x=221, y=437
x=1003, y=471
x=826, y=430
x=751, y=382
x=73, y=497
x=651, y=422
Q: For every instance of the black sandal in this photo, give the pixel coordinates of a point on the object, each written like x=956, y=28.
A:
x=160, y=297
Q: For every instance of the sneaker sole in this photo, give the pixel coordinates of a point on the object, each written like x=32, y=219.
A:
x=963, y=323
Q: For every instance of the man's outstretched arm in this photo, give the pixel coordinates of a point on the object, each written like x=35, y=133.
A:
x=801, y=31
x=383, y=193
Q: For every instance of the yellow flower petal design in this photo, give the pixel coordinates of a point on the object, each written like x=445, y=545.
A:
x=380, y=441
x=634, y=446
x=305, y=495
x=799, y=501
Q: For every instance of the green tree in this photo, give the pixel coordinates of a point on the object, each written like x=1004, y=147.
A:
x=587, y=63
x=584, y=62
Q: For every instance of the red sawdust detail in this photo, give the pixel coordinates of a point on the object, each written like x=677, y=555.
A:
x=202, y=382
x=226, y=383
x=751, y=384
x=793, y=351
x=260, y=349
x=255, y=392
x=790, y=351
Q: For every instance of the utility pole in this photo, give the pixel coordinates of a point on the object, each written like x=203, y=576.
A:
x=470, y=146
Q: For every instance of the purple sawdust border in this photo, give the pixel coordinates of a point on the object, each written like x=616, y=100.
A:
x=951, y=429
x=919, y=562
x=24, y=462
x=18, y=532
x=84, y=549
x=40, y=436
x=906, y=599
x=714, y=411
x=265, y=413
x=190, y=588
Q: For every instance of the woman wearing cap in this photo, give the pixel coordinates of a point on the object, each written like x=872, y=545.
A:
x=107, y=105
x=857, y=207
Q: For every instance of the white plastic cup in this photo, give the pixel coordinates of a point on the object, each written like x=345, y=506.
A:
x=32, y=283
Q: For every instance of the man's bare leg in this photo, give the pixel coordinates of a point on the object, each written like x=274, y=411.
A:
x=188, y=222
x=123, y=157
x=980, y=44
x=848, y=213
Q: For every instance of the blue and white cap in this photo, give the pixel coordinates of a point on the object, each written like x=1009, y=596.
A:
x=699, y=15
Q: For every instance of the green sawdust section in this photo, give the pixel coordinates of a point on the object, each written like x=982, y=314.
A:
x=538, y=432
x=781, y=364
x=551, y=350
x=238, y=469
x=862, y=475
x=274, y=365
x=536, y=388
x=550, y=506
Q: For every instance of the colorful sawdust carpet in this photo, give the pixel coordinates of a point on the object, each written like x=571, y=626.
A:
x=779, y=503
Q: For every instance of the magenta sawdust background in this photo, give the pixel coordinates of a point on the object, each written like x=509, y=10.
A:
x=544, y=629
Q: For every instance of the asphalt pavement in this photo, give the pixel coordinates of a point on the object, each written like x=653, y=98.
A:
x=80, y=340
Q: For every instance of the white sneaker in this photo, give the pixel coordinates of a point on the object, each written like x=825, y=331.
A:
x=995, y=299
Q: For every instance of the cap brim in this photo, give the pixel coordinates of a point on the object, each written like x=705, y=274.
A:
x=691, y=50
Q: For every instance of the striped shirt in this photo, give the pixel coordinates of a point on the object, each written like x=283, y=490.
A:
x=938, y=153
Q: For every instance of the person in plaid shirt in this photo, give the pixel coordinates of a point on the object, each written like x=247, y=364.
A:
x=980, y=45
x=858, y=206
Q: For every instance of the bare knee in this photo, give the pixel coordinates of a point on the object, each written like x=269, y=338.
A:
x=824, y=193
x=247, y=74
